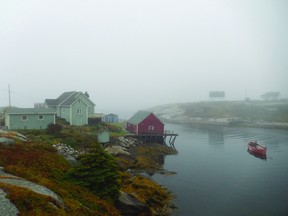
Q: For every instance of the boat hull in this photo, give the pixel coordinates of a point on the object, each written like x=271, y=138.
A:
x=256, y=148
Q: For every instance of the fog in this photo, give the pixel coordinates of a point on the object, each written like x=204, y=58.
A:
x=131, y=55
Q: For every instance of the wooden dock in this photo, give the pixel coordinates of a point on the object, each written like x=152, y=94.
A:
x=165, y=138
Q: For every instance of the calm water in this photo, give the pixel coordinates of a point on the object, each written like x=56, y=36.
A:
x=217, y=176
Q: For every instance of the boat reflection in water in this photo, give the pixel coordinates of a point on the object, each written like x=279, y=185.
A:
x=260, y=156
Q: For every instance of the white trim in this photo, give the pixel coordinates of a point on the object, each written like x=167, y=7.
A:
x=71, y=119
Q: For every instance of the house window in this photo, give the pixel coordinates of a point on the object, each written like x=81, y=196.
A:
x=24, y=118
x=79, y=111
x=41, y=117
x=151, y=128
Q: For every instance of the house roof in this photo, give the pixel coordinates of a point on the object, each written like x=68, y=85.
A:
x=66, y=99
x=111, y=114
x=28, y=111
x=51, y=102
x=69, y=98
x=139, y=117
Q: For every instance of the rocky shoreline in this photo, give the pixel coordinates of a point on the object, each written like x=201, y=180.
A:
x=126, y=150
x=228, y=122
x=152, y=160
x=227, y=113
x=137, y=162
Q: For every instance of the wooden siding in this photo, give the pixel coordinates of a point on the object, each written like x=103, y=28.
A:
x=131, y=128
x=64, y=112
x=111, y=118
x=15, y=121
x=79, y=113
x=150, y=125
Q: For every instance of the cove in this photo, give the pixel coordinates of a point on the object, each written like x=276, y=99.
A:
x=217, y=176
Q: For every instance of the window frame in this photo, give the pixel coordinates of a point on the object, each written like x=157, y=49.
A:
x=24, y=117
x=151, y=127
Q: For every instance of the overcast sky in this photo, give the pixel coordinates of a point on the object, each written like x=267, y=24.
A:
x=132, y=54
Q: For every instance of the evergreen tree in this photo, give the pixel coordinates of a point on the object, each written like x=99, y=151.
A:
x=99, y=172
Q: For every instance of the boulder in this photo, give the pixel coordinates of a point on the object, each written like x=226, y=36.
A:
x=6, y=141
x=67, y=152
x=116, y=150
x=71, y=160
x=6, y=207
x=20, y=182
x=130, y=206
x=10, y=137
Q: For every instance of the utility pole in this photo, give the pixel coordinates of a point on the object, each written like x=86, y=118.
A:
x=9, y=93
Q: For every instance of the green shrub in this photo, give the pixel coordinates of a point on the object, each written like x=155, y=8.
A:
x=54, y=129
x=98, y=172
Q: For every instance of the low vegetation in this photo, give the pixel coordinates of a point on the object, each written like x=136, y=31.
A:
x=89, y=188
x=250, y=110
x=39, y=163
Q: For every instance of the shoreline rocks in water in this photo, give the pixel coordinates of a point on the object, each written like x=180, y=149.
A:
x=138, y=158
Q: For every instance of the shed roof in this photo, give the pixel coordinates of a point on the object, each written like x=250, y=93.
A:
x=139, y=117
x=111, y=114
x=28, y=111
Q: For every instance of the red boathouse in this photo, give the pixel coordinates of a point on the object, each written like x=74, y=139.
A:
x=145, y=123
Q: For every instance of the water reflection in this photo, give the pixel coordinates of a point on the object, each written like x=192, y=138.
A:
x=215, y=133
x=215, y=136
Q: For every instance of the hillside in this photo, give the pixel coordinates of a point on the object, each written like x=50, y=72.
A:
x=64, y=171
x=251, y=113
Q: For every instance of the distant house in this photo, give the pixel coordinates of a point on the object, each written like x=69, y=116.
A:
x=29, y=118
x=111, y=118
x=145, y=123
x=74, y=107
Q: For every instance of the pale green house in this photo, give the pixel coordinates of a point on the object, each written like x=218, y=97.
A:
x=74, y=107
x=29, y=118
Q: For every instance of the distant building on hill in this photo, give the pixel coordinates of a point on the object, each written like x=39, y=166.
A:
x=270, y=96
x=216, y=95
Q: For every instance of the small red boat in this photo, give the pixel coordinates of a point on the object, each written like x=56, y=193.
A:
x=256, y=148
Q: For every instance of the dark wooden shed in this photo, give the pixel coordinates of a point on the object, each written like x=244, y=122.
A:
x=145, y=123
